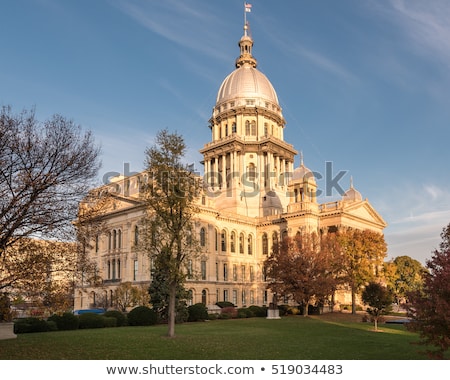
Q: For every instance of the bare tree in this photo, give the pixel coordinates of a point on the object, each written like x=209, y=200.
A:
x=45, y=170
x=170, y=197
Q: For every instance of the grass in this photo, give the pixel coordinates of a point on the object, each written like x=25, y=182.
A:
x=333, y=336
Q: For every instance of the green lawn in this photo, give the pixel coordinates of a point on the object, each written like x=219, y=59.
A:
x=294, y=337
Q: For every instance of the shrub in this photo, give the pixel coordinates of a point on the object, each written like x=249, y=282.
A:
x=142, y=316
x=229, y=311
x=67, y=321
x=197, y=312
x=258, y=311
x=91, y=321
x=109, y=321
x=244, y=313
x=31, y=325
x=120, y=317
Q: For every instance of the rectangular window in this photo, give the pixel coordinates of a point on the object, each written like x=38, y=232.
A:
x=235, y=274
x=252, y=274
x=135, y=270
x=244, y=298
x=235, y=297
x=243, y=272
x=225, y=295
x=203, y=270
x=225, y=272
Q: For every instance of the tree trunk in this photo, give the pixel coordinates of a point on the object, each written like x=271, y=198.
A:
x=353, y=301
x=305, y=309
x=172, y=304
x=375, y=320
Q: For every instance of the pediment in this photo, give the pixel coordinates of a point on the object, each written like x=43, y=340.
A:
x=363, y=210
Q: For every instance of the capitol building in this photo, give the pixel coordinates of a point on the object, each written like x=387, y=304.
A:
x=255, y=196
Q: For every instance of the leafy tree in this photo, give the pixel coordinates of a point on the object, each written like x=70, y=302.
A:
x=159, y=293
x=127, y=296
x=404, y=275
x=363, y=255
x=379, y=298
x=429, y=307
x=329, y=243
x=40, y=271
x=170, y=196
x=300, y=269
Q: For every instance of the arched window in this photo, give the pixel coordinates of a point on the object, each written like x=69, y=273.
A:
x=253, y=128
x=216, y=240
x=247, y=128
x=250, y=245
x=114, y=239
x=241, y=243
x=274, y=238
x=109, y=241
x=265, y=244
x=204, y=294
x=233, y=241
x=202, y=237
x=119, y=239
x=223, y=241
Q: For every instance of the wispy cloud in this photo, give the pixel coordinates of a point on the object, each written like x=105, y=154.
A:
x=181, y=22
x=426, y=24
x=419, y=213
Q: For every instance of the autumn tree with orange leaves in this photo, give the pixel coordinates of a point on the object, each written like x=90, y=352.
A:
x=363, y=253
x=299, y=269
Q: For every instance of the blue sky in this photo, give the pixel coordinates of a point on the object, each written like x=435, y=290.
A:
x=364, y=84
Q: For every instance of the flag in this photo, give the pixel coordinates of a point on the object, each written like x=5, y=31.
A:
x=248, y=7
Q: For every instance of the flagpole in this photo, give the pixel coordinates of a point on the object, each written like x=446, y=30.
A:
x=245, y=19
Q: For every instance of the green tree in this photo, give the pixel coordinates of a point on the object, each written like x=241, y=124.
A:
x=170, y=198
x=379, y=299
x=429, y=307
x=159, y=293
x=404, y=275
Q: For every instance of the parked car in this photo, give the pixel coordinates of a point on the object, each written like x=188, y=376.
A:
x=84, y=311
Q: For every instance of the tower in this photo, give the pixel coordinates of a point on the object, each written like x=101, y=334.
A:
x=247, y=163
